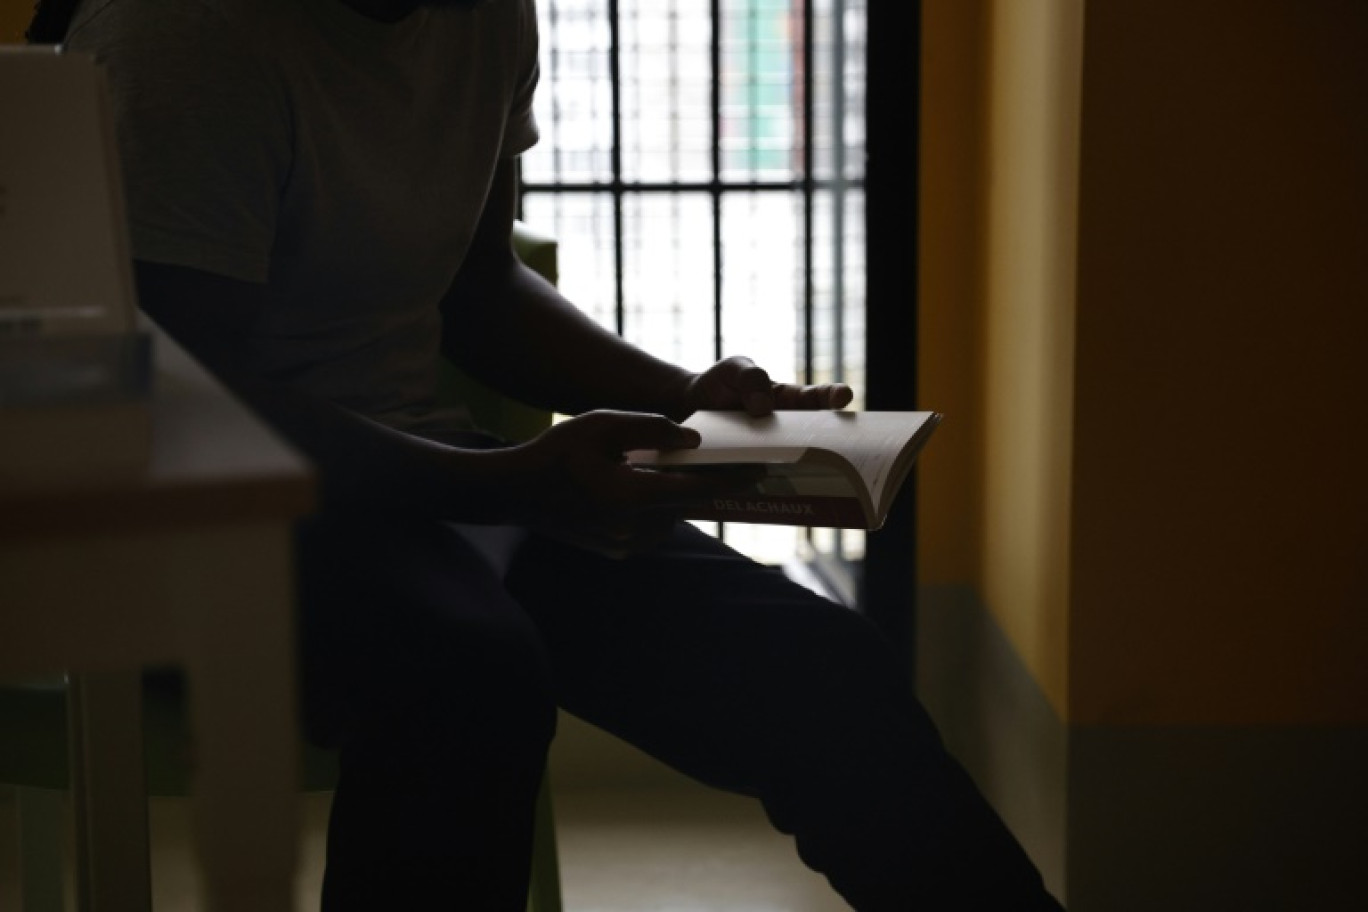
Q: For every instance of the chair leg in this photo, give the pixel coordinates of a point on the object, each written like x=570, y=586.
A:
x=41, y=836
x=545, y=892
x=109, y=793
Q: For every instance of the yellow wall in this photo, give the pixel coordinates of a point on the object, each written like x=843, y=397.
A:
x=950, y=292
x=1145, y=312
x=998, y=186
x=14, y=18
x=1031, y=181
x=1220, y=564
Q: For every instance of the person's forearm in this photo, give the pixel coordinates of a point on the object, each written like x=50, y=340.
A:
x=363, y=463
x=564, y=360
x=358, y=460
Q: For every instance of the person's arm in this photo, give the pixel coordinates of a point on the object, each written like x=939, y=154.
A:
x=512, y=329
x=571, y=481
x=360, y=461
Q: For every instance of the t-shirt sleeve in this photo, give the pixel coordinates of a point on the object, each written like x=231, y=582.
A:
x=203, y=134
x=521, y=132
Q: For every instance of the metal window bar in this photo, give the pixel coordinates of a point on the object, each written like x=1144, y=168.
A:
x=767, y=68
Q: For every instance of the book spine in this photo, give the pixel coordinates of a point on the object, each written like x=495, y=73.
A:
x=783, y=510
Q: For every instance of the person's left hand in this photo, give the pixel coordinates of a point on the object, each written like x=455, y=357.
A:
x=739, y=383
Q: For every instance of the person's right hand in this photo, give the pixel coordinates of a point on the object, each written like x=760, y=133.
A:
x=579, y=487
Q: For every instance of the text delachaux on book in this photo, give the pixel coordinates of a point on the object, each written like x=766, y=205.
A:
x=840, y=469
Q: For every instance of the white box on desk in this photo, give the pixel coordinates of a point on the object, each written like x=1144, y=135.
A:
x=74, y=364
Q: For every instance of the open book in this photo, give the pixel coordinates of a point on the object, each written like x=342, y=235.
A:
x=822, y=468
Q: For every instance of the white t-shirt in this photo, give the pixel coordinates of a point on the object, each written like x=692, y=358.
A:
x=342, y=161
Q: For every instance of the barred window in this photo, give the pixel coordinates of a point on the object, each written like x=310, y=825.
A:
x=701, y=167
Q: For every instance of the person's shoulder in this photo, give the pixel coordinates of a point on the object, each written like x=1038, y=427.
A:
x=201, y=45
x=489, y=16
x=129, y=18
x=522, y=12
x=260, y=19
x=192, y=25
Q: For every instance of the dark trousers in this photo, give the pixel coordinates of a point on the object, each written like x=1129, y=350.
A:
x=439, y=682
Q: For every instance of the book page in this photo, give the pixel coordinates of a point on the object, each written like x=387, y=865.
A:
x=874, y=449
x=730, y=437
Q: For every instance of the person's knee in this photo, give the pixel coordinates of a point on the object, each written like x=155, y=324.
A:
x=455, y=680
x=828, y=677
x=490, y=677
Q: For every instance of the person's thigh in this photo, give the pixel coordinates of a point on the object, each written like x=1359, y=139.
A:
x=435, y=688
x=721, y=667
x=401, y=616
x=740, y=678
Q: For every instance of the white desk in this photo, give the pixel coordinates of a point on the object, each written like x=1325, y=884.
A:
x=188, y=562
